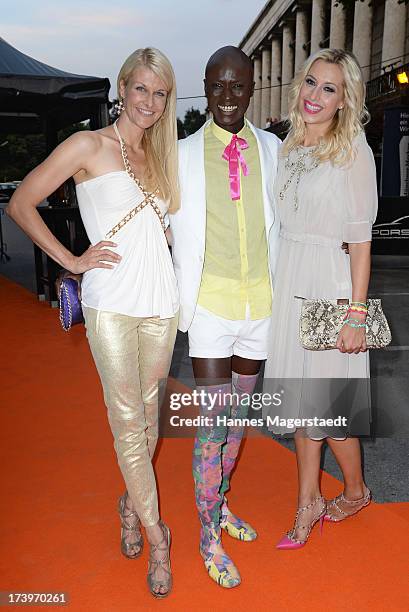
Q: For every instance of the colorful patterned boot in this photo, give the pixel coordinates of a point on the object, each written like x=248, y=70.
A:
x=235, y=526
x=207, y=474
x=243, y=386
x=219, y=565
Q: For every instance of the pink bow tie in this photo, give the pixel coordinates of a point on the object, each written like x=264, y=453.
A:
x=233, y=155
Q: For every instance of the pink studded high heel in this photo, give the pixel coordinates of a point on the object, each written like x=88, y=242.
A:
x=335, y=514
x=289, y=541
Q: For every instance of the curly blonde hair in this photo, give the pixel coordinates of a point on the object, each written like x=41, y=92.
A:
x=160, y=140
x=336, y=146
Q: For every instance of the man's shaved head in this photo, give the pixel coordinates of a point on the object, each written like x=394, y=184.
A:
x=228, y=87
x=229, y=54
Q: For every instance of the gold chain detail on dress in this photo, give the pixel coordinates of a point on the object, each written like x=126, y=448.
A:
x=149, y=198
x=297, y=169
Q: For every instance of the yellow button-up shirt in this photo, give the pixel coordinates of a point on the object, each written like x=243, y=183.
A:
x=235, y=271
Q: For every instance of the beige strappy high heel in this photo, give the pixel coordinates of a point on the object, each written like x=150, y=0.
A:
x=163, y=563
x=127, y=548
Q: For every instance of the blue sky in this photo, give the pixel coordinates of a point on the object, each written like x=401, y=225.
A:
x=95, y=37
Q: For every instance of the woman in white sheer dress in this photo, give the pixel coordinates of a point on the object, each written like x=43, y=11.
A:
x=326, y=195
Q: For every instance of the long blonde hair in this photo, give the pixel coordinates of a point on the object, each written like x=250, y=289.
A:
x=336, y=146
x=160, y=140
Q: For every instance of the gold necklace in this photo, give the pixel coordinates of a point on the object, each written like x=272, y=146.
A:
x=149, y=197
x=297, y=169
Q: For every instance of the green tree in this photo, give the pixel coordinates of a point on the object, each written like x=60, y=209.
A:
x=181, y=129
x=193, y=120
x=20, y=153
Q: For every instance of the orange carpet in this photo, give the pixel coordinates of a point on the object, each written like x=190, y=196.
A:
x=60, y=484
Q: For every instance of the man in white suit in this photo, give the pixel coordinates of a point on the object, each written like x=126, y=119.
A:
x=225, y=237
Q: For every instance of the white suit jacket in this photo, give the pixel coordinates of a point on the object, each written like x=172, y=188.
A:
x=188, y=224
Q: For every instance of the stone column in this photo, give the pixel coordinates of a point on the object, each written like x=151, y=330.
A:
x=257, y=92
x=301, y=38
x=265, y=84
x=317, y=24
x=363, y=36
x=287, y=71
x=393, y=44
x=275, y=98
x=337, y=28
x=249, y=113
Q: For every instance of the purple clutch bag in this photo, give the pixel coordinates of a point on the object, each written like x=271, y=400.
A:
x=70, y=305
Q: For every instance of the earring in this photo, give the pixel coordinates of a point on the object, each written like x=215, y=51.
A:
x=119, y=106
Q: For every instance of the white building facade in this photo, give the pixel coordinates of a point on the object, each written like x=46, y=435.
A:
x=286, y=32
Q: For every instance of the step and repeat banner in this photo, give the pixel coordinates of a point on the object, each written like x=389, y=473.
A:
x=391, y=231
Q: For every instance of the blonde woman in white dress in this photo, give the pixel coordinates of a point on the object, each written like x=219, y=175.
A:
x=326, y=195
x=129, y=293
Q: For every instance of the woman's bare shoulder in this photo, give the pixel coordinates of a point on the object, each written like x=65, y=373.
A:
x=84, y=139
x=87, y=141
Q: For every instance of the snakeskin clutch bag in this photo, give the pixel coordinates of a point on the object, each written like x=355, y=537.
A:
x=321, y=322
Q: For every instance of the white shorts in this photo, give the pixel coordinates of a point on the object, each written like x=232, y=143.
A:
x=212, y=337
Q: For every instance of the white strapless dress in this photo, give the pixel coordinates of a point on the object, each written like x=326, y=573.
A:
x=143, y=284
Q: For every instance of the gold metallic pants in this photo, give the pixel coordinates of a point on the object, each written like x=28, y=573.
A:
x=131, y=354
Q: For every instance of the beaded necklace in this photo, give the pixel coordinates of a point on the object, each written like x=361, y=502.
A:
x=297, y=169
